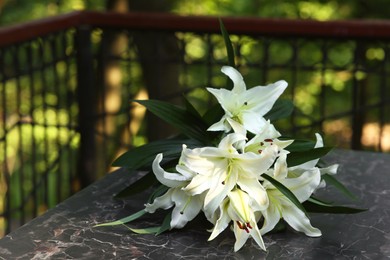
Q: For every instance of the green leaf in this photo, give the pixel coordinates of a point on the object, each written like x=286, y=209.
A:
x=229, y=50
x=298, y=144
x=139, y=157
x=191, y=109
x=184, y=121
x=299, y=157
x=281, y=109
x=138, y=186
x=317, y=206
x=214, y=114
x=228, y=44
x=333, y=181
x=124, y=220
x=166, y=224
x=143, y=231
x=285, y=191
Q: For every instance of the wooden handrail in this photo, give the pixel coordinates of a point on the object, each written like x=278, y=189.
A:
x=26, y=31
x=365, y=29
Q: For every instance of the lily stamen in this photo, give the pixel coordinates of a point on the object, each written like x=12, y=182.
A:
x=244, y=226
x=185, y=205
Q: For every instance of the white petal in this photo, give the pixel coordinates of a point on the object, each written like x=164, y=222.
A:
x=185, y=171
x=236, y=77
x=319, y=142
x=283, y=144
x=240, y=206
x=256, y=235
x=253, y=122
x=237, y=127
x=220, y=188
x=222, y=222
x=186, y=208
x=256, y=164
x=256, y=191
x=304, y=185
x=228, y=141
x=198, y=184
x=162, y=202
x=166, y=178
x=264, y=98
x=221, y=125
x=271, y=217
x=281, y=170
x=331, y=170
x=225, y=98
x=298, y=221
x=241, y=237
x=201, y=160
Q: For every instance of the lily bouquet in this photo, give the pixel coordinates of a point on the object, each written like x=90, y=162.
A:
x=232, y=165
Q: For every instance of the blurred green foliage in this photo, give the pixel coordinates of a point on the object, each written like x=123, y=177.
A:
x=16, y=11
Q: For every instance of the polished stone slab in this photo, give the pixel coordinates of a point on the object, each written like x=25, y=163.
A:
x=67, y=232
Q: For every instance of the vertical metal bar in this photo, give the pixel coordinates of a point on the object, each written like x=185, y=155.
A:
x=324, y=52
x=210, y=48
x=68, y=179
x=31, y=82
x=16, y=67
x=208, y=61
x=5, y=170
x=87, y=110
x=104, y=61
x=265, y=60
x=44, y=90
x=59, y=172
x=294, y=82
x=357, y=113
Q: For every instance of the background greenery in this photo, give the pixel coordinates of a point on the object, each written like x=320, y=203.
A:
x=16, y=11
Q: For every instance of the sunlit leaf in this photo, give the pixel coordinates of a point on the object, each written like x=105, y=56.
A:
x=124, y=220
x=150, y=230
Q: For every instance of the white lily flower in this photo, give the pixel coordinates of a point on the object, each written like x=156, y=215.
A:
x=246, y=107
x=238, y=207
x=268, y=136
x=299, y=169
x=187, y=206
x=220, y=169
x=281, y=207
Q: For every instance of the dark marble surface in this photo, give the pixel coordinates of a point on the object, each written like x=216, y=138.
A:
x=67, y=232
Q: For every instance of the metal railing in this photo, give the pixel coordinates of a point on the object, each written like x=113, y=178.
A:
x=66, y=82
